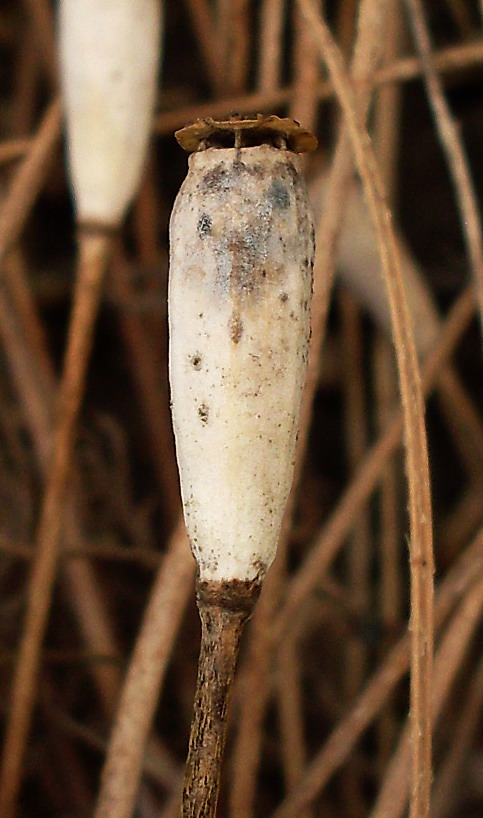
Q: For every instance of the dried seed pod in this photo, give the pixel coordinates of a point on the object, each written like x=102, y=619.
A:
x=242, y=247
x=109, y=55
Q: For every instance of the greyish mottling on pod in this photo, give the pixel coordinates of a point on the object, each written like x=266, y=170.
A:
x=241, y=259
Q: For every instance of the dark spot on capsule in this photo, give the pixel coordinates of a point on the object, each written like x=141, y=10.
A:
x=236, y=328
x=287, y=171
x=240, y=168
x=283, y=297
x=203, y=413
x=195, y=362
x=204, y=226
x=218, y=178
x=278, y=195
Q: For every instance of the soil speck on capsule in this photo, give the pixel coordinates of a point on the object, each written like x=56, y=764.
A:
x=195, y=362
x=278, y=195
x=204, y=225
x=203, y=413
x=236, y=328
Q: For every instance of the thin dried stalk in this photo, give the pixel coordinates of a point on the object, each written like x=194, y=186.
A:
x=391, y=585
x=92, y=264
x=29, y=178
x=405, y=69
x=392, y=799
x=271, y=27
x=254, y=690
x=345, y=25
x=453, y=148
x=235, y=38
x=27, y=73
x=14, y=149
x=465, y=572
x=421, y=551
x=33, y=374
x=41, y=18
x=387, y=109
x=291, y=712
x=203, y=24
x=306, y=72
x=462, y=736
x=221, y=631
x=139, y=697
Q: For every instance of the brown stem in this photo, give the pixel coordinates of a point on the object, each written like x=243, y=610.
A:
x=93, y=253
x=224, y=609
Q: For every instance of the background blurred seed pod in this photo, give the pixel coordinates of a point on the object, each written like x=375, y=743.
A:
x=109, y=54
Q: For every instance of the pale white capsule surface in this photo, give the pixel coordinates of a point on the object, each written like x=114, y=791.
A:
x=241, y=258
x=109, y=56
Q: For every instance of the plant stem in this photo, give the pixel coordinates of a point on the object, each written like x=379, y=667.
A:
x=93, y=255
x=224, y=608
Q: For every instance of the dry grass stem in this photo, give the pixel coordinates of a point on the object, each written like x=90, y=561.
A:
x=143, y=682
x=421, y=553
x=394, y=793
x=402, y=70
x=445, y=791
x=271, y=28
x=92, y=265
x=340, y=743
x=453, y=147
x=28, y=179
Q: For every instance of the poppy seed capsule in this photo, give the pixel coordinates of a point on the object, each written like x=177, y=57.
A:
x=241, y=259
x=109, y=55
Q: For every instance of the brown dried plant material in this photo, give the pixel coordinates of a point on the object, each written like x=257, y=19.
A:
x=417, y=465
x=453, y=148
x=109, y=112
x=224, y=609
x=243, y=132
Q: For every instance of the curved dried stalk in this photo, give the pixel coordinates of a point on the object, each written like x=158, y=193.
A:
x=453, y=148
x=421, y=552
